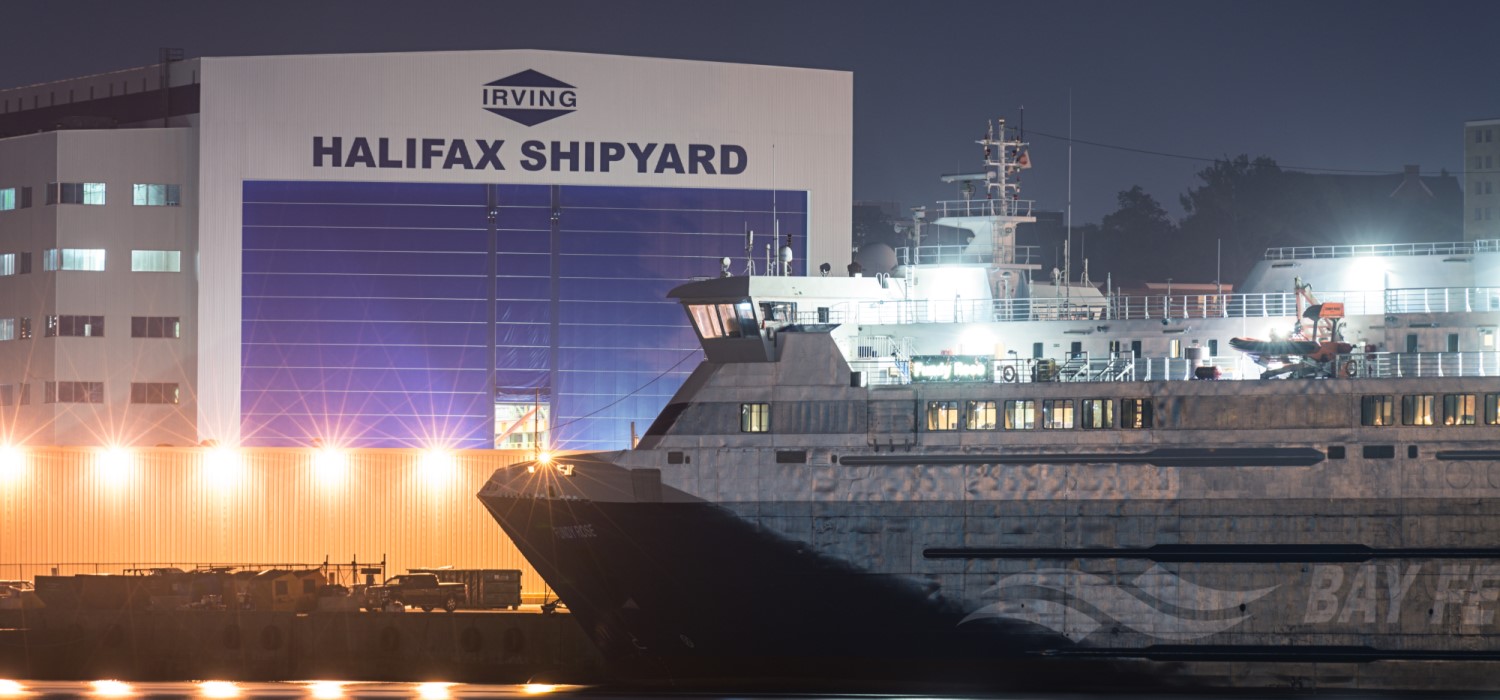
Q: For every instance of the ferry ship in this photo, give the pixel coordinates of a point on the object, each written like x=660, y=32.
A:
x=952, y=474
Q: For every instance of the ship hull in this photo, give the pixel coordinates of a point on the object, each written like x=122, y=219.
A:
x=696, y=591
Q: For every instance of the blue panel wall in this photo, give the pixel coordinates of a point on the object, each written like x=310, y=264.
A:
x=366, y=305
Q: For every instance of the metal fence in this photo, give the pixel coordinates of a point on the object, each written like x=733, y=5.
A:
x=985, y=207
x=1381, y=250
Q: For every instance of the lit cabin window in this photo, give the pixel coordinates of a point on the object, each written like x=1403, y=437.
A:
x=1057, y=414
x=1135, y=413
x=942, y=415
x=1020, y=415
x=1417, y=409
x=755, y=417
x=980, y=416
x=1376, y=410
x=1492, y=409
x=724, y=320
x=1458, y=409
x=1098, y=414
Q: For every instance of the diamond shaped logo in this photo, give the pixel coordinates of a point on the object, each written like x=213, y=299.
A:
x=529, y=97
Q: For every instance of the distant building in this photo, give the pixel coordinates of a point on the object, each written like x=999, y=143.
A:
x=1481, y=204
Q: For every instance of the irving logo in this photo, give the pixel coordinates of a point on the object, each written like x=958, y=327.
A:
x=529, y=97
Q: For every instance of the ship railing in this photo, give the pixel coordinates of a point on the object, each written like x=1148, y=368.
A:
x=1391, y=365
x=985, y=207
x=966, y=255
x=1442, y=300
x=1381, y=250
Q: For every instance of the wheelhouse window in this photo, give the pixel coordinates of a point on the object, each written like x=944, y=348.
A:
x=1098, y=414
x=1057, y=414
x=75, y=193
x=1135, y=414
x=942, y=415
x=68, y=326
x=755, y=418
x=981, y=415
x=1417, y=409
x=155, y=327
x=74, y=392
x=724, y=320
x=1376, y=410
x=1020, y=414
x=1458, y=409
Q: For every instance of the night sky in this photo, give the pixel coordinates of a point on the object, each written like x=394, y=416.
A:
x=1361, y=86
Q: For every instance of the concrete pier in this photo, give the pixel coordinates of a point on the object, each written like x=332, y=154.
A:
x=470, y=647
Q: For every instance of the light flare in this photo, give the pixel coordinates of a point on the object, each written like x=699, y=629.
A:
x=331, y=465
x=112, y=689
x=219, y=689
x=11, y=689
x=434, y=691
x=12, y=462
x=116, y=464
x=326, y=690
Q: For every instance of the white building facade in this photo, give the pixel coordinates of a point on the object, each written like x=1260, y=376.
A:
x=457, y=249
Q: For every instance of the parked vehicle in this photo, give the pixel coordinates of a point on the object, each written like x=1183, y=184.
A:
x=417, y=590
x=487, y=589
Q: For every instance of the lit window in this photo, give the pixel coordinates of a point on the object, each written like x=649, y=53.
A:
x=8, y=199
x=1417, y=409
x=156, y=195
x=155, y=327
x=7, y=264
x=1020, y=414
x=154, y=392
x=1492, y=409
x=1174, y=348
x=1057, y=414
x=75, y=392
x=23, y=328
x=155, y=261
x=1135, y=413
x=1458, y=409
x=1098, y=414
x=942, y=415
x=75, y=326
x=85, y=259
x=724, y=320
x=755, y=417
x=1376, y=410
x=75, y=193
x=7, y=329
x=980, y=416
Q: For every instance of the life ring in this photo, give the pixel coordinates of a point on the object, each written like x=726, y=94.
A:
x=1008, y=374
x=1348, y=369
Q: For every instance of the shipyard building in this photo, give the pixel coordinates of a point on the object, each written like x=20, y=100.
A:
x=456, y=249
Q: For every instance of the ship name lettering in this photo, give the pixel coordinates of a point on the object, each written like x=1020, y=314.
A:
x=1359, y=602
x=575, y=532
x=1471, y=589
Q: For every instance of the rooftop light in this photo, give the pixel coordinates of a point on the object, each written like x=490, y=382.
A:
x=222, y=466
x=115, y=464
x=331, y=464
x=438, y=466
x=12, y=465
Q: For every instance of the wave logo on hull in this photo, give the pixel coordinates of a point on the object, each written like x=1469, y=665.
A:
x=529, y=97
x=1142, y=606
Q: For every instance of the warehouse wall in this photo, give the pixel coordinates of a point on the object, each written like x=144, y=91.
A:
x=84, y=509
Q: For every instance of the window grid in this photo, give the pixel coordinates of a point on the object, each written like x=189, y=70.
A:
x=755, y=417
x=1376, y=410
x=75, y=326
x=1020, y=414
x=75, y=392
x=1458, y=409
x=1098, y=414
x=1135, y=414
x=155, y=261
x=154, y=392
x=1057, y=414
x=942, y=416
x=82, y=259
x=980, y=415
x=155, y=195
x=155, y=327
x=1417, y=409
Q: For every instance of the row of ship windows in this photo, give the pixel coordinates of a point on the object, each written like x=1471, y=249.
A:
x=73, y=326
x=1021, y=414
x=1136, y=414
x=91, y=193
x=89, y=260
x=90, y=392
x=1424, y=409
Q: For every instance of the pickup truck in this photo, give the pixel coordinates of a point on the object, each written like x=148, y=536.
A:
x=417, y=590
